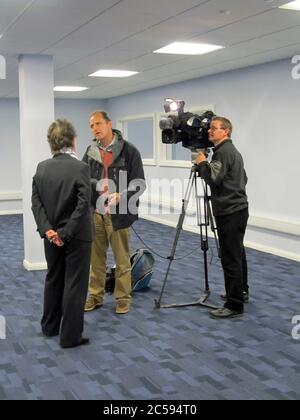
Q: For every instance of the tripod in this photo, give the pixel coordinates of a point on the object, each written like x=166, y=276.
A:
x=204, y=220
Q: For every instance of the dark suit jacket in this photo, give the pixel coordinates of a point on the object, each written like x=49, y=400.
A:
x=61, y=196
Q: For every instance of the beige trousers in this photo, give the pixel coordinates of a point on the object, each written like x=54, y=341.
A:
x=119, y=242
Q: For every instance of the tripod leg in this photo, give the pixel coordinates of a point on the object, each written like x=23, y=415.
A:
x=204, y=245
x=203, y=222
x=185, y=203
x=213, y=226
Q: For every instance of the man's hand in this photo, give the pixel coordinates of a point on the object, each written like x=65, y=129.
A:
x=114, y=199
x=54, y=238
x=58, y=242
x=50, y=234
x=201, y=158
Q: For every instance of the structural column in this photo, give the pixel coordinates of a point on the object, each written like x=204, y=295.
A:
x=36, y=94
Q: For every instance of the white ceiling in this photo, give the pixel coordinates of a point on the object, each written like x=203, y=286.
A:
x=85, y=35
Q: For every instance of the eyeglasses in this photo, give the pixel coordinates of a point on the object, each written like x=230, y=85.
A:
x=216, y=128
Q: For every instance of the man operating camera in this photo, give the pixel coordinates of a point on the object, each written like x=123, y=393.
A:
x=227, y=178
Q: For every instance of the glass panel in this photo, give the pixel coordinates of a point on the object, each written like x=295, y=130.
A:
x=178, y=152
x=140, y=134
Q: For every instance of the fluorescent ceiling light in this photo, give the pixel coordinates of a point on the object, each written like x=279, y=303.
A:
x=113, y=73
x=294, y=5
x=70, y=88
x=188, y=48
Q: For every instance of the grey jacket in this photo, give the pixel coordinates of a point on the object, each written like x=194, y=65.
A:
x=227, y=179
x=126, y=158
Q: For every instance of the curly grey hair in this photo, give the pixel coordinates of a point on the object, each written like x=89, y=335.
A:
x=61, y=135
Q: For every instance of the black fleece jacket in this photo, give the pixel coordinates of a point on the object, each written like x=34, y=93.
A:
x=227, y=179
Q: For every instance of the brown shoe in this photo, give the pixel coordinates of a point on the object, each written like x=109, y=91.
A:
x=123, y=306
x=225, y=313
x=91, y=304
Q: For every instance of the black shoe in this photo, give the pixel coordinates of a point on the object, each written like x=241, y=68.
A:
x=245, y=297
x=82, y=342
x=50, y=335
x=225, y=313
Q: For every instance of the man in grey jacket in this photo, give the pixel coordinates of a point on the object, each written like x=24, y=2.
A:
x=227, y=179
x=117, y=178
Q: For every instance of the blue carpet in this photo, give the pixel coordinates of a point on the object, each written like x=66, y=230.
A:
x=170, y=354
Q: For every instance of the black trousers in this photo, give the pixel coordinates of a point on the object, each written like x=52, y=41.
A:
x=231, y=231
x=66, y=290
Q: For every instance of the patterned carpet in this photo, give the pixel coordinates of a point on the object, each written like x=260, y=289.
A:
x=166, y=354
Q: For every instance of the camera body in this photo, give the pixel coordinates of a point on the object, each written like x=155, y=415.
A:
x=190, y=129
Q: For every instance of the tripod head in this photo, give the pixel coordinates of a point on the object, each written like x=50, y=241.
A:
x=195, y=152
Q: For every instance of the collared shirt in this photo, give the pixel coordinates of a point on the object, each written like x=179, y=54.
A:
x=107, y=160
x=109, y=148
x=68, y=151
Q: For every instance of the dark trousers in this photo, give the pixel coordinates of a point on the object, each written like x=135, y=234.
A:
x=231, y=232
x=66, y=290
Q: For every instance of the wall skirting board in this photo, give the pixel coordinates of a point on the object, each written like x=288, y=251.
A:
x=277, y=237
x=10, y=212
x=10, y=203
x=34, y=266
x=249, y=244
x=10, y=196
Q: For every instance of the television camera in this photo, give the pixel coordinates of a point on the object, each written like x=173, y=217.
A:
x=190, y=129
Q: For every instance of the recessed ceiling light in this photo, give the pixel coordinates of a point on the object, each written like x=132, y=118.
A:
x=113, y=73
x=294, y=5
x=188, y=48
x=70, y=88
x=225, y=12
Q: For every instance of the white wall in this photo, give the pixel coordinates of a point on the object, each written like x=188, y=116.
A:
x=263, y=103
x=10, y=174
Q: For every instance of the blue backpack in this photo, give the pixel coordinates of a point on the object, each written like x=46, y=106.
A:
x=142, y=262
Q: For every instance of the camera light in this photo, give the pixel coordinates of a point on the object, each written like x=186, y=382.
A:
x=294, y=5
x=174, y=106
x=171, y=105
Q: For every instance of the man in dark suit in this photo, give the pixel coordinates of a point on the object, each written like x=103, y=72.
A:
x=61, y=198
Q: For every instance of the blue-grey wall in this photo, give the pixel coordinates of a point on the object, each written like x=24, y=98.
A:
x=76, y=111
x=263, y=103
x=10, y=170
